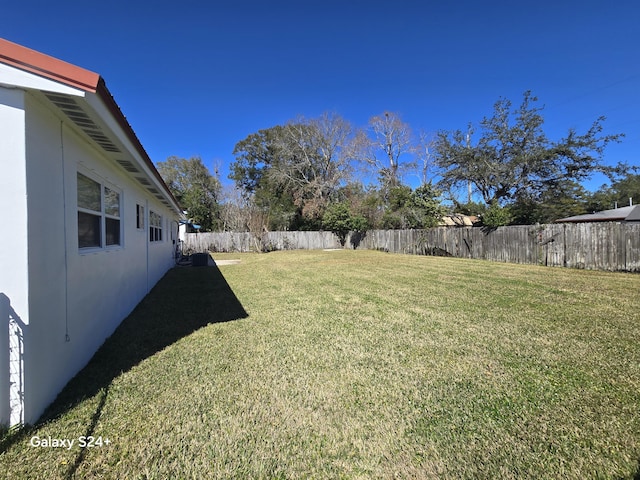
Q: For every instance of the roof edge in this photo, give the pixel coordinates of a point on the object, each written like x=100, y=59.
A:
x=46, y=66
x=105, y=96
x=71, y=75
x=612, y=215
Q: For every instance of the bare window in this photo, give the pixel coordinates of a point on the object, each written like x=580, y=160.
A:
x=139, y=217
x=98, y=214
x=155, y=227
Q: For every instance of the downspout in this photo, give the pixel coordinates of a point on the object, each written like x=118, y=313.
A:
x=146, y=236
x=5, y=364
x=67, y=338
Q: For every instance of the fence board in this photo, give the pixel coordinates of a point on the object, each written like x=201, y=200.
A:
x=602, y=246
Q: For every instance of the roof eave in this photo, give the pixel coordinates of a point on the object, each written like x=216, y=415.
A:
x=105, y=96
x=49, y=67
x=71, y=75
x=590, y=220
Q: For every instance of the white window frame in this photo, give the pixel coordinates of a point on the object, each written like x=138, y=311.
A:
x=140, y=219
x=156, y=227
x=105, y=214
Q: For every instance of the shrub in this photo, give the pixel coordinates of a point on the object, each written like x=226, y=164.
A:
x=339, y=220
x=496, y=216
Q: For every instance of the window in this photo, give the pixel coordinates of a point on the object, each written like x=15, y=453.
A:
x=112, y=216
x=139, y=217
x=98, y=214
x=155, y=227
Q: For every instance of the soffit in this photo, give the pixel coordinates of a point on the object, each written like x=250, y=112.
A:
x=90, y=125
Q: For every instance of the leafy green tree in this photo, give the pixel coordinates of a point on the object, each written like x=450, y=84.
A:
x=513, y=158
x=196, y=190
x=626, y=188
x=397, y=208
x=363, y=201
x=618, y=193
x=425, y=201
x=496, y=215
x=469, y=208
x=413, y=209
x=339, y=220
x=566, y=199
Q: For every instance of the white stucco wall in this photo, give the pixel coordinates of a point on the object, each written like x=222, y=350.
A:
x=13, y=238
x=76, y=297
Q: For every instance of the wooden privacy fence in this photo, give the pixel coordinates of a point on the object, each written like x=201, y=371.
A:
x=597, y=246
x=267, y=241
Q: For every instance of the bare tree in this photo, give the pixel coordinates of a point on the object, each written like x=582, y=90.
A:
x=383, y=145
x=425, y=157
x=234, y=209
x=312, y=163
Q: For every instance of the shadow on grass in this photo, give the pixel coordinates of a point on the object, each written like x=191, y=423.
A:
x=183, y=301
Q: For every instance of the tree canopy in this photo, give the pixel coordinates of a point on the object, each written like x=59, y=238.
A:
x=322, y=172
x=514, y=160
x=194, y=187
x=619, y=193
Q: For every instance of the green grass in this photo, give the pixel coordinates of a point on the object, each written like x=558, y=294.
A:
x=358, y=364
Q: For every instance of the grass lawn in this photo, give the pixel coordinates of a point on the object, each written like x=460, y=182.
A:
x=357, y=364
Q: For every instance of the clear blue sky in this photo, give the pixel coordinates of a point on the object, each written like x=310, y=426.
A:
x=196, y=77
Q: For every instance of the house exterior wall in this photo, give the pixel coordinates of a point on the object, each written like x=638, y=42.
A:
x=13, y=244
x=70, y=299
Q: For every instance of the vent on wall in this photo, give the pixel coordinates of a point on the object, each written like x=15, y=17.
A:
x=75, y=113
x=143, y=181
x=128, y=166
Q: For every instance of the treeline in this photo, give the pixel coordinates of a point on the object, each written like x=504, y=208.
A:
x=323, y=173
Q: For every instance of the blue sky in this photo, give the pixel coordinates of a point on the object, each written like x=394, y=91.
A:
x=196, y=77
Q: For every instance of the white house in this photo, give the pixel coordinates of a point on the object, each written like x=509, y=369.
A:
x=87, y=225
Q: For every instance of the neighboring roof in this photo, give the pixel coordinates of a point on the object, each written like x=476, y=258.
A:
x=459, y=220
x=626, y=214
x=634, y=216
x=81, y=111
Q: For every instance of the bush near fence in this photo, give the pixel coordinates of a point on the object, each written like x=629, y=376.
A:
x=598, y=246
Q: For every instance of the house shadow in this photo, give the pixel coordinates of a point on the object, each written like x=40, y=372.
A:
x=186, y=299
x=12, y=334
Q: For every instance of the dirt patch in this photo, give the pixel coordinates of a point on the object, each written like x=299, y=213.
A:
x=226, y=262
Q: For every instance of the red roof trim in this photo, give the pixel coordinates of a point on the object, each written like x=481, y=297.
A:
x=35, y=62
x=49, y=67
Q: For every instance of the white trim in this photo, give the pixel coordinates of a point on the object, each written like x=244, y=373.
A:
x=159, y=227
x=15, y=78
x=103, y=215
